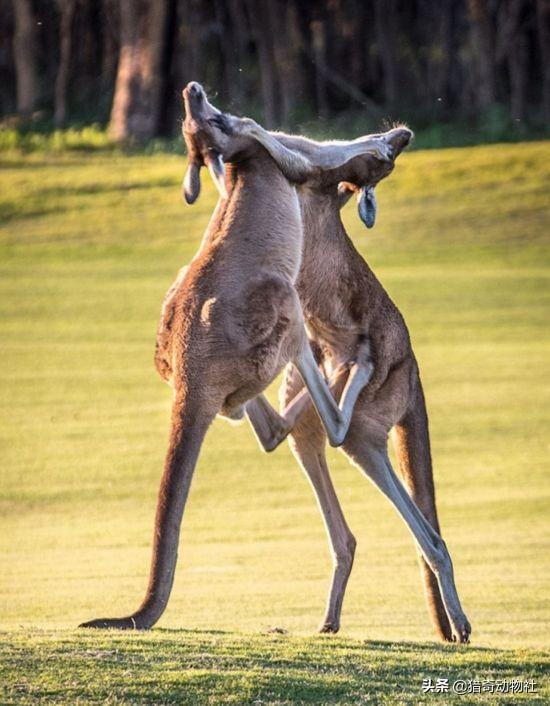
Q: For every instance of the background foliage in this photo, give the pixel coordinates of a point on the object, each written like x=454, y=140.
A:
x=482, y=66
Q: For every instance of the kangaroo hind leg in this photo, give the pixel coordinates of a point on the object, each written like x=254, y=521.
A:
x=341, y=540
x=189, y=426
x=308, y=442
x=412, y=446
x=374, y=461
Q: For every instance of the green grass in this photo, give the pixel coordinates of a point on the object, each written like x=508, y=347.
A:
x=88, y=246
x=188, y=667
x=89, y=138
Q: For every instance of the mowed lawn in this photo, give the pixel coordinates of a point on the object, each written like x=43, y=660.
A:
x=88, y=246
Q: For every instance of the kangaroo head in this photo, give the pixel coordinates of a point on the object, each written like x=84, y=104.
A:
x=361, y=174
x=212, y=139
x=200, y=148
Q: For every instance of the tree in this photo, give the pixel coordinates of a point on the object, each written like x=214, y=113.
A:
x=139, y=83
x=237, y=14
x=424, y=61
x=319, y=45
x=24, y=51
x=515, y=49
x=258, y=16
x=449, y=79
x=67, y=9
x=483, y=45
x=543, y=26
x=386, y=27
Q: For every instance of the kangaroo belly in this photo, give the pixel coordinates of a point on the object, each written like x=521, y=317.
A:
x=262, y=329
x=256, y=318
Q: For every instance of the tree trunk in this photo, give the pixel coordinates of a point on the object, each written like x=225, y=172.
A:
x=516, y=55
x=24, y=52
x=285, y=33
x=295, y=81
x=188, y=59
x=237, y=15
x=450, y=78
x=257, y=14
x=483, y=45
x=66, y=8
x=385, y=39
x=319, y=54
x=543, y=27
x=139, y=82
x=110, y=40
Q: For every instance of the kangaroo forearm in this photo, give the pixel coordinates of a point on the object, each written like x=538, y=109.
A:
x=294, y=165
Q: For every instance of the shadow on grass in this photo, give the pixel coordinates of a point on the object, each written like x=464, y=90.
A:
x=215, y=667
x=99, y=188
x=13, y=210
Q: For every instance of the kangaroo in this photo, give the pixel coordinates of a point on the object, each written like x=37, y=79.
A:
x=231, y=322
x=346, y=308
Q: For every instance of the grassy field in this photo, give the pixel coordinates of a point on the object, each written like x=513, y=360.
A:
x=88, y=246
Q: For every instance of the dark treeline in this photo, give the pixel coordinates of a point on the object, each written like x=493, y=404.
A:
x=124, y=62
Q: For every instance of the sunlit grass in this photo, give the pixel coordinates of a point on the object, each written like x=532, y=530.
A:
x=191, y=667
x=88, y=245
x=92, y=137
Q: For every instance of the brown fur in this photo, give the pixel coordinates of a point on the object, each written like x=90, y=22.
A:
x=343, y=301
x=230, y=323
x=344, y=304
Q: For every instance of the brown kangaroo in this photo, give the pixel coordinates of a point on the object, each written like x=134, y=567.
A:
x=345, y=308
x=231, y=322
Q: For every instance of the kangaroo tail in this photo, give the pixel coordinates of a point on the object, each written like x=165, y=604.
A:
x=186, y=438
x=412, y=445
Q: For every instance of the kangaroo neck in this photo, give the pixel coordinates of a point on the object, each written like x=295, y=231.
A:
x=325, y=238
x=259, y=226
x=333, y=274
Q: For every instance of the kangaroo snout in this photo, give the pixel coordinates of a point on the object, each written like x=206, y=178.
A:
x=193, y=89
x=194, y=99
x=399, y=138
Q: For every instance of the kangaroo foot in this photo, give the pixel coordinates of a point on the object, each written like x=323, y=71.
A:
x=461, y=630
x=329, y=626
x=129, y=623
x=279, y=431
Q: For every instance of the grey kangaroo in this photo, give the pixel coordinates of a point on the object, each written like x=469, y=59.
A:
x=346, y=309
x=231, y=322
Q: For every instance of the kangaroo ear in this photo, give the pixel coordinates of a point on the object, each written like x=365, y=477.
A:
x=366, y=203
x=216, y=167
x=191, y=187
